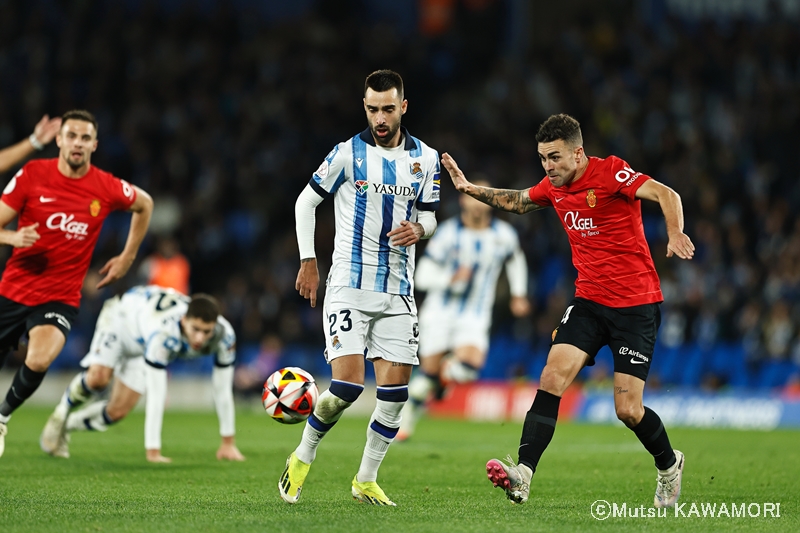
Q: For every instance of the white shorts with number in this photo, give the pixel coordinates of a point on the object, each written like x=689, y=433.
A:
x=443, y=330
x=112, y=348
x=377, y=324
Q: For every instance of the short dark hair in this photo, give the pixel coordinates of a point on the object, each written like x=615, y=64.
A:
x=561, y=126
x=80, y=114
x=384, y=80
x=203, y=306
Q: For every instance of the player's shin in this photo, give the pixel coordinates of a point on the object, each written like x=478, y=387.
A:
x=77, y=394
x=538, y=429
x=25, y=383
x=650, y=431
x=382, y=429
x=330, y=406
x=93, y=417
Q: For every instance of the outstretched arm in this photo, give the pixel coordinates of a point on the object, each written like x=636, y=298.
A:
x=43, y=133
x=514, y=201
x=679, y=243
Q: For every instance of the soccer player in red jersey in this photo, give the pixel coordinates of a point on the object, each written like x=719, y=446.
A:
x=60, y=205
x=617, y=293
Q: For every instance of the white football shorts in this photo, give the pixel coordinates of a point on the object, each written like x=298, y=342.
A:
x=376, y=324
x=443, y=330
x=111, y=348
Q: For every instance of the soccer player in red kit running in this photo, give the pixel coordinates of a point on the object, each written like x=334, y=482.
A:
x=617, y=293
x=60, y=204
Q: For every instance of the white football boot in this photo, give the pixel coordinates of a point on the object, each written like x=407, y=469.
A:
x=668, y=483
x=514, y=479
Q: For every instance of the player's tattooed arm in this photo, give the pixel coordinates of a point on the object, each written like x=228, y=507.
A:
x=514, y=201
x=505, y=199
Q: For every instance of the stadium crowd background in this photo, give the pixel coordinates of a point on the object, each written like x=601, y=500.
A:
x=222, y=110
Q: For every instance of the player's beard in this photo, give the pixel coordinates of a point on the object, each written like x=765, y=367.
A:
x=384, y=141
x=76, y=165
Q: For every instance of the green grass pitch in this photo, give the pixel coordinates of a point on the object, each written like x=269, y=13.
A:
x=437, y=479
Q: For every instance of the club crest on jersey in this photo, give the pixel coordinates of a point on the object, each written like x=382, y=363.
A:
x=94, y=208
x=361, y=186
x=416, y=170
x=591, y=199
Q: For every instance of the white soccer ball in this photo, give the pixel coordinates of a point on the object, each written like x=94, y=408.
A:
x=289, y=395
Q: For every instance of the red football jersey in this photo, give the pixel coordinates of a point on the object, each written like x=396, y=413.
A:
x=70, y=213
x=603, y=220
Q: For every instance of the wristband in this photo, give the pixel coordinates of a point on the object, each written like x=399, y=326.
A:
x=36, y=143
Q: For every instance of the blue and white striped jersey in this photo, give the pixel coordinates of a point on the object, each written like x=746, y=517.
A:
x=149, y=325
x=374, y=189
x=484, y=252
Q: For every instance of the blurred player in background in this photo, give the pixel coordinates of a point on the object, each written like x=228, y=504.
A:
x=136, y=337
x=617, y=293
x=385, y=186
x=44, y=132
x=60, y=205
x=459, y=270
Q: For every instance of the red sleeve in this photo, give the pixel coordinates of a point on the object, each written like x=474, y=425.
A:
x=122, y=194
x=539, y=193
x=622, y=179
x=16, y=192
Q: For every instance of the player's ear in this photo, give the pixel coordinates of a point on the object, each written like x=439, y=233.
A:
x=94, y=146
x=404, y=107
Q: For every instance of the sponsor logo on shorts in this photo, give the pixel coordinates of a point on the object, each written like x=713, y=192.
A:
x=60, y=319
x=335, y=343
x=413, y=342
x=636, y=357
x=415, y=329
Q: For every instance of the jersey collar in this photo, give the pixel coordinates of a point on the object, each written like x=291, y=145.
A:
x=409, y=142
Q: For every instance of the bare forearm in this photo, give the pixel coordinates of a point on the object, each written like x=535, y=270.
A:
x=15, y=154
x=139, y=223
x=514, y=201
x=672, y=207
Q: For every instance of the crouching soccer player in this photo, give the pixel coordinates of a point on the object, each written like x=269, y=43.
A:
x=136, y=336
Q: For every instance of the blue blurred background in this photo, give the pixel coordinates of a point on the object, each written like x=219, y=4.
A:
x=223, y=109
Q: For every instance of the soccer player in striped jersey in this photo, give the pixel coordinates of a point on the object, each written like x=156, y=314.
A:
x=137, y=335
x=385, y=189
x=617, y=293
x=460, y=268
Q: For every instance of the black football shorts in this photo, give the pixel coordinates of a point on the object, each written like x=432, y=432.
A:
x=630, y=332
x=17, y=319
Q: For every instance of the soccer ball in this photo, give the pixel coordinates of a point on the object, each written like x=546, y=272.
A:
x=289, y=395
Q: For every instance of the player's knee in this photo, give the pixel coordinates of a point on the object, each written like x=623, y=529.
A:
x=553, y=381
x=98, y=377
x=630, y=415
